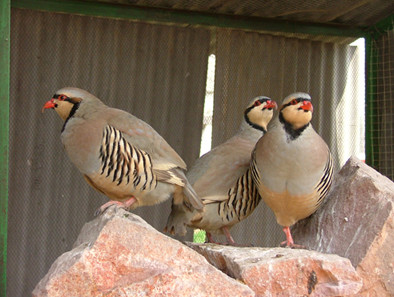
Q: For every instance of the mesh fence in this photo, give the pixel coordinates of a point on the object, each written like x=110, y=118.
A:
x=159, y=74
x=382, y=108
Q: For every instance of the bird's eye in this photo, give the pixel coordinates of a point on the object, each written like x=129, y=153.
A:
x=257, y=103
x=62, y=97
x=293, y=102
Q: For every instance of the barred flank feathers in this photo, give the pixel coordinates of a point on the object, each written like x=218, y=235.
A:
x=124, y=163
x=243, y=198
x=325, y=182
x=254, y=172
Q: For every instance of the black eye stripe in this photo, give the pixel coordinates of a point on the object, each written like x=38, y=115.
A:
x=296, y=99
x=61, y=97
x=261, y=102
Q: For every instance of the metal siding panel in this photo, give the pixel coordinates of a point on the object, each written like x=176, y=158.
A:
x=252, y=64
x=156, y=72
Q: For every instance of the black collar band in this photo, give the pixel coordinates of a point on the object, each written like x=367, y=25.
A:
x=250, y=123
x=291, y=132
x=72, y=112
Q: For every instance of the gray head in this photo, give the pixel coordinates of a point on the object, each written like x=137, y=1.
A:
x=66, y=100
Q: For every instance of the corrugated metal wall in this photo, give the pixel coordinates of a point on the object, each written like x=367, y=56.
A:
x=250, y=64
x=158, y=73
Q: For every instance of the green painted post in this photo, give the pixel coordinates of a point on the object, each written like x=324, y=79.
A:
x=371, y=114
x=4, y=131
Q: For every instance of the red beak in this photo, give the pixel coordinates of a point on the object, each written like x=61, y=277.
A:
x=271, y=104
x=307, y=106
x=49, y=104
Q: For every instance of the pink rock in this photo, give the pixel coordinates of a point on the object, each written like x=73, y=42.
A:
x=357, y=223
x=284, y=271
x=118, y=254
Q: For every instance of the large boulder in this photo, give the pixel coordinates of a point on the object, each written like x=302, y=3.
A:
x=119, y=254
x=357, y=223
x=284, y=271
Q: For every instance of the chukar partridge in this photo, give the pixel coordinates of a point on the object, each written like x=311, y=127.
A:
x=120, y=155
x=222, y=179
x=292, y=165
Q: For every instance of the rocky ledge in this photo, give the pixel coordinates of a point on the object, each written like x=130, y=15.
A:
x=350, y=237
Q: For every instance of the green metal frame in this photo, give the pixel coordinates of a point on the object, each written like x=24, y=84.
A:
x=100, y=9
x=4, y=131
x=372, y=59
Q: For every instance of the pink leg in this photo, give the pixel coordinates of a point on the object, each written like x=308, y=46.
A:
x=210, y=238
x=125, y=204
x=229, y=238
x=289, y=238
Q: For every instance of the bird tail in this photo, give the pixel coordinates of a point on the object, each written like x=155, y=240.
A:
x=177, y=220
x=192, y=197
x=184, y=192
x=185, y=205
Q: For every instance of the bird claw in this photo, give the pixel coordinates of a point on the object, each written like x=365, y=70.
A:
x=230, y=240
x=169, y=230
x=98, y=212
x=125, y=205
x=285, y=244
x=289, y=242
x=107, y=205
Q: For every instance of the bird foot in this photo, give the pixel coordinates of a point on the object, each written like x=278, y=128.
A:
x=125, y=205
x=216, y=242
x=170, y=231
x=228, y=243
x=230, y=240
x=211, y=240
x=292, y=245
x=289, y=242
